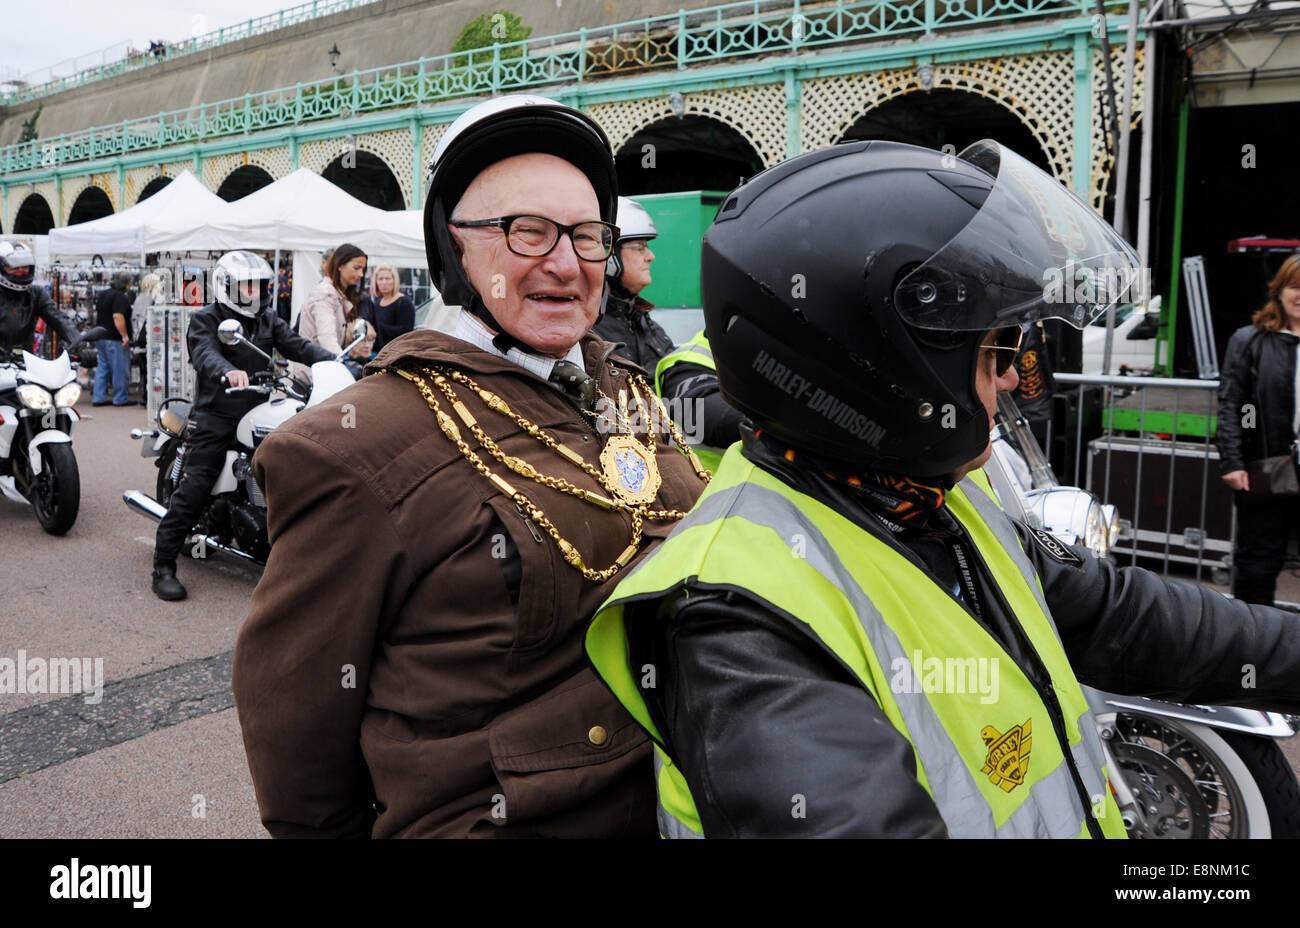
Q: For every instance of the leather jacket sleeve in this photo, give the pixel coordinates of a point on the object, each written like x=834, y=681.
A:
x=1234, y=390
x=206, y=356
x=1127, y=630
x=43, y=307
x=695, y=383
x=293, y=346
x=756, y=713
x=774, y=737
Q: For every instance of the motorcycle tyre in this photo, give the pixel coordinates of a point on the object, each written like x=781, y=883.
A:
x=1277, y=782
x=60, y=466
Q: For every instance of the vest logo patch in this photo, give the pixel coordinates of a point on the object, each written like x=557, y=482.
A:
x=1055, y=550
x=1007, y=763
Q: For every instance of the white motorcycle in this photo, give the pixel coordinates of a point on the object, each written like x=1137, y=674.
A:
x=37, y=466
x=1177, y=771
x=233, y=520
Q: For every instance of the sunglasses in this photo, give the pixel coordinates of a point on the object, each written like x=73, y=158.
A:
x=1006, y=345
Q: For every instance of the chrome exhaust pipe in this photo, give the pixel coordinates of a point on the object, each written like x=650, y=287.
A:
x=144, y=504
x=148, y=506
x=209, y=542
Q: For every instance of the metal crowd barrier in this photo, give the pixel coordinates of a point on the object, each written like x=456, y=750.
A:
x=1150, y=452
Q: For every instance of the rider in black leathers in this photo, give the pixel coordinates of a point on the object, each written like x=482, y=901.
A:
x=627, y=315
x=21, y=304
x=217, y=413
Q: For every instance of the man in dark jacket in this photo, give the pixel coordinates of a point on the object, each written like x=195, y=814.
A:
x=627, y=315
x=241, y=283
x=847, y=635
x=21, y=304
x=113, y=313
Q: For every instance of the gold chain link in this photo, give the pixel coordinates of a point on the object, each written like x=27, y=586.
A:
x=523, y=468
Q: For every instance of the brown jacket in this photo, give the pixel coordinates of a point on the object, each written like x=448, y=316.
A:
x=384, y=650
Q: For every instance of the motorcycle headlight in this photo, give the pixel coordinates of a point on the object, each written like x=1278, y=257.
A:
x=1097, y=534
x=34, y=397
x=68, y=394
x=1110, y=515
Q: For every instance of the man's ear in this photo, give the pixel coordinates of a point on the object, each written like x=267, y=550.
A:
x=457, y=244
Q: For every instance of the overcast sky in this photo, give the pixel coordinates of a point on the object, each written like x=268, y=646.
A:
x=52, y=31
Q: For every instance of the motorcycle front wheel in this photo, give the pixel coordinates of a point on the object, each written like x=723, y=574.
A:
x=56, y=491
x=1189, y=781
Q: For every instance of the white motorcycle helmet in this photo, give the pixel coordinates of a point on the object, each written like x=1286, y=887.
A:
x=17, y=266
x=485, y=134
x=633, y=223
x=236, y=267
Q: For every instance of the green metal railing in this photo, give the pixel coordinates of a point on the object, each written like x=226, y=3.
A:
x=247, y=29
x=679, y=40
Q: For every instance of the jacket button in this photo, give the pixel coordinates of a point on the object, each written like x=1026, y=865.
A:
x=597, y=735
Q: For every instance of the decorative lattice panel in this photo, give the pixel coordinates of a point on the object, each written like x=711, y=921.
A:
x=429, y=144
x=1038, y=88
x=174, y=168
x=136, y=180
x=73, y=187
x=757, y=113
x=1103, y=162
x=393, y=148
x=275, y=161
x=19, y=193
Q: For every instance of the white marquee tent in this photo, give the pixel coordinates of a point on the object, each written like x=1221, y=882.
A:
x=133, y=231
x=300, y=212
x=304, y=212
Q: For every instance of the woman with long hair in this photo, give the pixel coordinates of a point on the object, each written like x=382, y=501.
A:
x=394, y=311
x=331, y=306
x=1259, y=417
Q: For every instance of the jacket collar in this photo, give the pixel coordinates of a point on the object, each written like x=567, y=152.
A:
x=427, y=346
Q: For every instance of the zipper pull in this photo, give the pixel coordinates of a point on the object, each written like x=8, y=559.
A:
x=532, y=526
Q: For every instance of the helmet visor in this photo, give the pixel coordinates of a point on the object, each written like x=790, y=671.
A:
x=1033, y=251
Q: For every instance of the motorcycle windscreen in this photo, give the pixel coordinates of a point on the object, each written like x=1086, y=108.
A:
x=328, y=378
x=1033, y=251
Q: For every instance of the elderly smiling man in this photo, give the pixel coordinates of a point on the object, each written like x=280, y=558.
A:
x=442, y=532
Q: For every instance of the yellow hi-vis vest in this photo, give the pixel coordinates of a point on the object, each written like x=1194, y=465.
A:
x=995, y=767
x=695, y=351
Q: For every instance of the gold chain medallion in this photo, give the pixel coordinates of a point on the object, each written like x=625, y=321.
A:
x=630, y=470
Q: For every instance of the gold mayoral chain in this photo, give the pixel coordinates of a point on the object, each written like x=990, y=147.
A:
x=629, y=473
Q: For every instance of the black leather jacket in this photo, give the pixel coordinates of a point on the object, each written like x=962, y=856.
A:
x=754, y=709
x=19, y=312
x=627, y=320
x=211, y=359
x=1258, y=371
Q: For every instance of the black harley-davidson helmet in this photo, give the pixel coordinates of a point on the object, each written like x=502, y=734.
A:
x=845, y=292
x=492, y=131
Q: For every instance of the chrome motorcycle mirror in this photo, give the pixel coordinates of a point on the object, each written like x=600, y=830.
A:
x=229, y=332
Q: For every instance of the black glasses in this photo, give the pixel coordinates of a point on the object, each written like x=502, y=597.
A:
x=535, y=236
x=1006, y=345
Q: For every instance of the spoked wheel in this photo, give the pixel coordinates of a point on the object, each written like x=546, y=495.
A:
x=1188, y=781
x=56, y=490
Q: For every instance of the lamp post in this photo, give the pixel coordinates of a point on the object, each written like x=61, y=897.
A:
x=334, y=56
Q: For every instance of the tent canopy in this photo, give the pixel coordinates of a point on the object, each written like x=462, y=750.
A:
x=304, y=212
x=132, y=230
x=300, y=212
